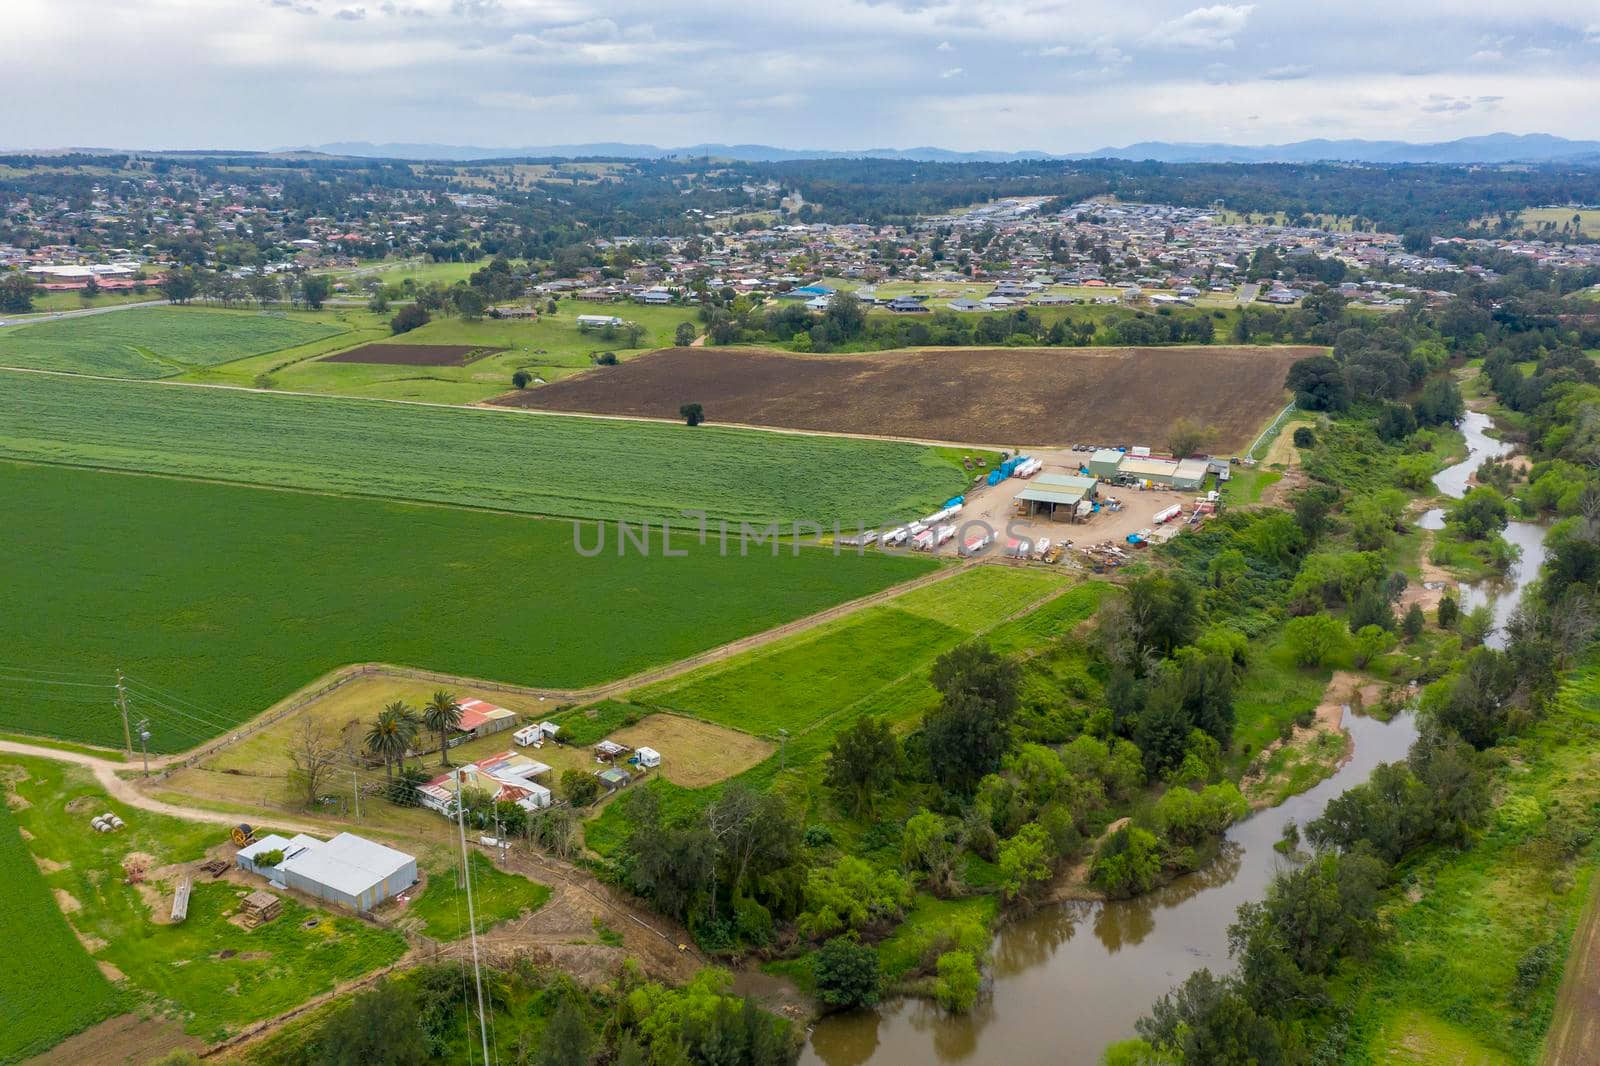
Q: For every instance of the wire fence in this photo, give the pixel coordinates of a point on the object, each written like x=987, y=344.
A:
x=1271, y=431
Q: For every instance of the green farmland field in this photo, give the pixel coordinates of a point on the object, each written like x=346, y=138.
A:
x=548, y=348
x=32, y=928
x=795, y=683
x=152, y=342
x=874, y=662
x=230, y=598
x=177, y=969
x=506, y=460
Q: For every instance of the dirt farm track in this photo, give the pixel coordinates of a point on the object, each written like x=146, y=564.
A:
x=1033, y=396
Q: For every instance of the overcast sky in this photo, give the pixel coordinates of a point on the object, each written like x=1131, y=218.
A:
x=965, y=74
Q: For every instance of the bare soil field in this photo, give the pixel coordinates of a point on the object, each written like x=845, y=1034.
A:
x=999, y=396
x=413, y=354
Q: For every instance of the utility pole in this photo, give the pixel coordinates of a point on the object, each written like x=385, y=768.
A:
x=122, y=705
x=355, y=790
x=144, y=743
x=472, y=923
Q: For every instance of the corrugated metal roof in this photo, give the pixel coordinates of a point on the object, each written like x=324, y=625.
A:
x=348, y=864
x=1148, y=467
x=1066, y=481
x=1049, y=496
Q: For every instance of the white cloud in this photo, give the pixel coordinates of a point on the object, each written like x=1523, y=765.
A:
x=1203, y=29
x=351, y=14
x=1486, y=55
x=1291, y=72
x=951, y=72
x=944, y=46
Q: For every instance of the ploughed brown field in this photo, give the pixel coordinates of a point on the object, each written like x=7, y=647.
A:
x=1035, y=396
x=413, y=354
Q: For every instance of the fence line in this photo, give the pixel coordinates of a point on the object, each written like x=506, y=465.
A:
x=1270, y=430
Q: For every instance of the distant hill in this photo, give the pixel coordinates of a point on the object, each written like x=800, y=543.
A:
x=1491, y=148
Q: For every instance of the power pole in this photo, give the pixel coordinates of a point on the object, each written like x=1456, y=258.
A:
x=144, y=743
x=122, y=705
x=472, y=923
x=355, y=790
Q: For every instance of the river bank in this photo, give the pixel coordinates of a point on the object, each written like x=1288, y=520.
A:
x=1071, y=978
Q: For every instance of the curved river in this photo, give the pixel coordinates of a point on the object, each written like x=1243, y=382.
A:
x=1072, y=978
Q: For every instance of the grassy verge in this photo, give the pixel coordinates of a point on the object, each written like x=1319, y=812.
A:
x=497, y=896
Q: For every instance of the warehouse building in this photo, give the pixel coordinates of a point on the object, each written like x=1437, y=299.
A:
x=1059, y=497
x=347, y=871
x=1104, y=461
x=1182, y=474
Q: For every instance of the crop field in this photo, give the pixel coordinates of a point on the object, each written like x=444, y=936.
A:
x=548, y=348
x=229, y=598
x=411, y=354
x=1034, y=396
x=33, y=928
x=548, y=465
x=213, y=975
x=152, y=342
x=796, y=683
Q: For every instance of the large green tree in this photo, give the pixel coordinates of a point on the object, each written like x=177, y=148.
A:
x=861, y=764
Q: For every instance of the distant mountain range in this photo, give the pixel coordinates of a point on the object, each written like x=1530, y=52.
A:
x=1492, y=148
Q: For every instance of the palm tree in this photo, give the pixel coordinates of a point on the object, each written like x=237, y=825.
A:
x=442, y=714
x=391, y=734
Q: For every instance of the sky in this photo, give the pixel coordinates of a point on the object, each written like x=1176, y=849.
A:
x=840, y=74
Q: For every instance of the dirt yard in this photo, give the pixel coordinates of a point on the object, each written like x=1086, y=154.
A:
x=995, y=396
x=413, y=354
x=695, y=754
x=996, y=505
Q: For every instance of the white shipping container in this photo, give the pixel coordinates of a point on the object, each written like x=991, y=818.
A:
x=895, y=536
x=923, y=541
x=976, y=543
x=1167, y=514
x=1143, y=453
x=917, y=527
x=944, y=535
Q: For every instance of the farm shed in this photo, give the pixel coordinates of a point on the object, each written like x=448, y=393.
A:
x=480, y=718
x=614, y=778
x=1055, y=495
x=348, y=870
x=290, y=847
x=1191, y=474
x=1103, y=463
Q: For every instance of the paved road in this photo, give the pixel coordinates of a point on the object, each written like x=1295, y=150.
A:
x=1247, y=293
